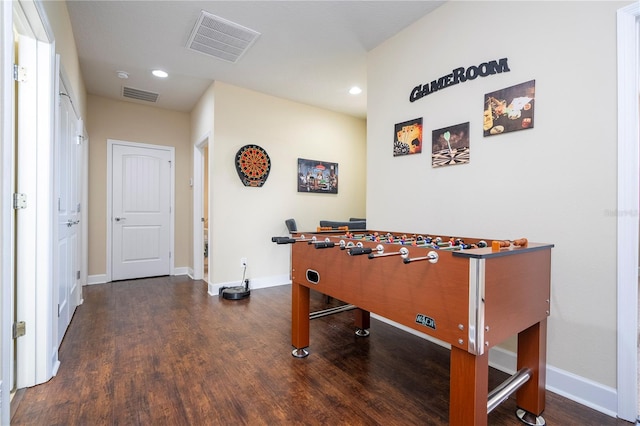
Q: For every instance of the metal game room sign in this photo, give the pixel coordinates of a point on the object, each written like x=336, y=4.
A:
x=426, y=321
x=460, y=75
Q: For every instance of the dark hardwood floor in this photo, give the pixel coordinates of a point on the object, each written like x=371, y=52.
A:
x=162, y=351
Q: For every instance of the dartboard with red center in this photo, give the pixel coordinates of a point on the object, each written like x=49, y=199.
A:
x=253, y=165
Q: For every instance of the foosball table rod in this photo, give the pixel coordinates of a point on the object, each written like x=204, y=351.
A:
x=330, y=311
x=403, y=252
x=289, y=240
x=432, y=257
x=504, y=390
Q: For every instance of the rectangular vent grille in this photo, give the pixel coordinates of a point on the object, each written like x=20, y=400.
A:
x=141, y=95
x=220, y=38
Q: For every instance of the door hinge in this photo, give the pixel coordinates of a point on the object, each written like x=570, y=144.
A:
x=19, y=329
x=19, y=73
x=19, y=201
x=77, y=275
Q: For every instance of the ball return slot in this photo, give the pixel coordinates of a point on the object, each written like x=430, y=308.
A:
x=314, y=278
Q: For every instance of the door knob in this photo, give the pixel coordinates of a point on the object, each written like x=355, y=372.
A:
x=118, y=219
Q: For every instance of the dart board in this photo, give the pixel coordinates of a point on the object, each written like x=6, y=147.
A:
x=253, y=165
x=448, y=158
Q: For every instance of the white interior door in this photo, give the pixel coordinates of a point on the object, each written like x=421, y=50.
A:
x=141, y=211
x=68, y=163
x=34, y=298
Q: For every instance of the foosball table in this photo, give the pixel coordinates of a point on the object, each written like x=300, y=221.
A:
x=470, y=293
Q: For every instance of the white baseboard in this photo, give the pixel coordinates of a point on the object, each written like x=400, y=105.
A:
x=97, y=279
x=183, y=270
x=576, y=388
x=102, y=278
x=254, y=283
x=583, y=391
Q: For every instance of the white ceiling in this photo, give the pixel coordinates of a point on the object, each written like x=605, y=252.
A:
x=309, y=51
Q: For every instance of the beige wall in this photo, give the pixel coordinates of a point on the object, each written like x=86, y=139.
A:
x=132, y=122
x=243, y=219
x=554, y=183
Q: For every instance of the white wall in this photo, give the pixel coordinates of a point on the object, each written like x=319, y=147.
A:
x=555, y=183
x=243, y=219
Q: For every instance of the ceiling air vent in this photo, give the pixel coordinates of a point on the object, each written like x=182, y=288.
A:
x=217, y=37
x=141, y=95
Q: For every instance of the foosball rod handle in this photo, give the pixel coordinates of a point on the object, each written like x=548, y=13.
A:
x=497, y=245
x=283, y=240
x=324, y=244
x=357, y=251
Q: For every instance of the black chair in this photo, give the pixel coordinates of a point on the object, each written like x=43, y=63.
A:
x=291, y=225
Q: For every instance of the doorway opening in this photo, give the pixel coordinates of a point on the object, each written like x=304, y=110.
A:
x=205, y=210
x=201, y=229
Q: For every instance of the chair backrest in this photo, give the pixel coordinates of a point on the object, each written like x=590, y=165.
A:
x=291, y=225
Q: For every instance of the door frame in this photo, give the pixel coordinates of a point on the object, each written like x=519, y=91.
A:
x=171, y=149
x=628, y=215
x=6, y=207
x=198, y=207
x=36, y=351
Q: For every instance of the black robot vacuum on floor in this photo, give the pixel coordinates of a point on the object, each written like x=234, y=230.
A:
x=238, y=292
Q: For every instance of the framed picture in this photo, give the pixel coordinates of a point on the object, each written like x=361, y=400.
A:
x=509, y=109
x=450, y=145
x=317, y=176
x=408, y=137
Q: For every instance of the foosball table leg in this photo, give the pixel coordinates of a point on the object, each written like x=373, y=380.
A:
x=468, y=393
x=532, y=354
x=299, y=320
x=362, y=322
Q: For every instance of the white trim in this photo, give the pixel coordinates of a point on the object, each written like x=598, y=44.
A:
x=97, y=279
x=628, y=197
x=102, y=278
x=198, y=206
x=172, y=150
x=561, y=382
x=583, y=391
x=254, y=283
x=6, y=209
x=36, y=352
x=183, y=270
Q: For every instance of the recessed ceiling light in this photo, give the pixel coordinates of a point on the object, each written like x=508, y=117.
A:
x=160, y=73
x=122, y=74
x=355, y=90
